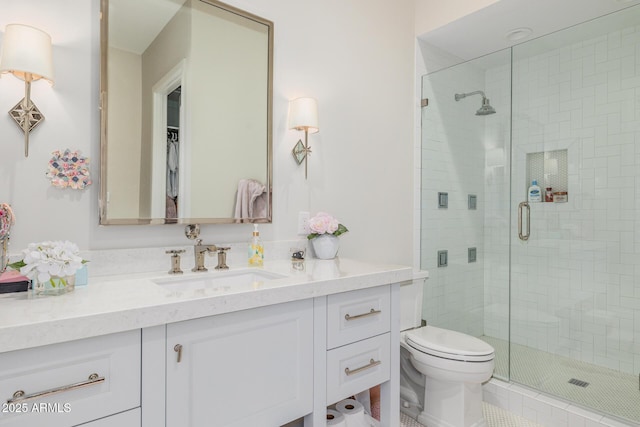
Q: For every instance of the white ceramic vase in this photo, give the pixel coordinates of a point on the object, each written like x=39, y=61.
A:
x=325, y=246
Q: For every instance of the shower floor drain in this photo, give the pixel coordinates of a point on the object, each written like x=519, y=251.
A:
x=579, y=383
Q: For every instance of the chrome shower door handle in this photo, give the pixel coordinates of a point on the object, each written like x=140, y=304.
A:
x=521, y=235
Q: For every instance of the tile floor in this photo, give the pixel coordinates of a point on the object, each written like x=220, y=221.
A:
x=495, y=417
x=608, y=391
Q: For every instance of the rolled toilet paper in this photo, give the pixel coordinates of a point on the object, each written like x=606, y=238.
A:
x=371, y=422
x=335, y=418
x=353, y=413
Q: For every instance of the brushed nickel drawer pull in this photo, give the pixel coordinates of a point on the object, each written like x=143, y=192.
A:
x=372, y=363
x=178, y=349
x=358, y=316
x=19, y=395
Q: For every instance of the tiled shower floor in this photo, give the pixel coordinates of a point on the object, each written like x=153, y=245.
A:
x=495, y=417
x=608, y=391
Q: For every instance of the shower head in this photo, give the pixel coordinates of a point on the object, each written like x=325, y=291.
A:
x=486, y=108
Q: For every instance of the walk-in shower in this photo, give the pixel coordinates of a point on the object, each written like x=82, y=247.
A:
x=562, y=309
x=486, y=107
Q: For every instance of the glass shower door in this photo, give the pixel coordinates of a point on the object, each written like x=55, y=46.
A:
x=553, y=286
x=465, y=200
x=575, y=301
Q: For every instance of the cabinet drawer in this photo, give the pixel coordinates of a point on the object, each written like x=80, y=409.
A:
x=56, y=386
x=358, y=366
x=129, y=418
x=356, y=315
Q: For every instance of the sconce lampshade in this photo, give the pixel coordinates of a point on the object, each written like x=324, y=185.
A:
x=303, y=114
x=26, y=50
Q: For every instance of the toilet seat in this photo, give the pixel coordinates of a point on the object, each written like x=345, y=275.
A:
x=449, y=345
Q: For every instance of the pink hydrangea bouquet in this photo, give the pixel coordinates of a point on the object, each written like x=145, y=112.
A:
x=323, y=223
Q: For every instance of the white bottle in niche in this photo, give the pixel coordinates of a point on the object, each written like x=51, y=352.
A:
x=534, y=194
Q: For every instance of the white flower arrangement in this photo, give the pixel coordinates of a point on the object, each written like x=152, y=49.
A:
x=50, y=258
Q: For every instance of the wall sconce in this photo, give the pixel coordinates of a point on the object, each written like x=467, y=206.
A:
x=303, y=115
x=27, y=54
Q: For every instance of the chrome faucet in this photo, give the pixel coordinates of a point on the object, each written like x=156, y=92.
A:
x=198, y=251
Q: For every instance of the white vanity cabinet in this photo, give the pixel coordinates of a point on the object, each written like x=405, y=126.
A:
x=72, y=383
x=359, y=349
x=247, y=368
x=264, y=357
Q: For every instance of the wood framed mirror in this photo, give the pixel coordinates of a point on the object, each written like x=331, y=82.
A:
x=186, y=113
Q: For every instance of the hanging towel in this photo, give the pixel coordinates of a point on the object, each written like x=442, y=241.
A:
x=251, y=200
x=172, y=169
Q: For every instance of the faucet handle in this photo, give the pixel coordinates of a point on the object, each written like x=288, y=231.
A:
x=175, y=260
x=175, y=251
x=222, y=258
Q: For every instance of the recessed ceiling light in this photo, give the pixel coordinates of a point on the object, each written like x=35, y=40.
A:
x=518, y=34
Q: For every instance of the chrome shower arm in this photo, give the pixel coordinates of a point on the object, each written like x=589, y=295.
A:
x=459, y=96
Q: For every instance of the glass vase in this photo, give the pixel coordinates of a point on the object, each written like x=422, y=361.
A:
x=56, y=285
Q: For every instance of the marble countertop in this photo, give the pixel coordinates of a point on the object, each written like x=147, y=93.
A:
x=119, y=303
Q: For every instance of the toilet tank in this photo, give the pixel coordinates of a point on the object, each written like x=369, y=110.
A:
x=411, y=301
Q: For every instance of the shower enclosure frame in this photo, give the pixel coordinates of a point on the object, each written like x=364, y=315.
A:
x=570, y=253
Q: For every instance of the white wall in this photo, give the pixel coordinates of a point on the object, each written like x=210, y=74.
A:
x=72, y=121
x=432, y=14
x=356, y=58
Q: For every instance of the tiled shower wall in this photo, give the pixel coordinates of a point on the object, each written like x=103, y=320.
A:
x=576, y=283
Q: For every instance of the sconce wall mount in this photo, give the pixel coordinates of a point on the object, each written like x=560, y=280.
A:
x=303, y=115
x=27, y=54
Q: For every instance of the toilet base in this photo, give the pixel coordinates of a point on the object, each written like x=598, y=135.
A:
x=452, y=404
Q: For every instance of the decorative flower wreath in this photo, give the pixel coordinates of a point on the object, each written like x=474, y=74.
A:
x=69, y=169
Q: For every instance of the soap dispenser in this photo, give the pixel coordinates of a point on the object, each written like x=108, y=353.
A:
x=256, y=249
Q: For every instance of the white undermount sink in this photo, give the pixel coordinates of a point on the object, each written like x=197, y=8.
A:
x=219, y=280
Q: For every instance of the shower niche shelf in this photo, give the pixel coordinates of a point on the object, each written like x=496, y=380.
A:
x=550, y=169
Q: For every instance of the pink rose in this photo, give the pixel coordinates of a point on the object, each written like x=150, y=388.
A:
x=323, y=223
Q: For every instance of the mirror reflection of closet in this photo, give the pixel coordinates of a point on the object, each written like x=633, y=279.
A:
x=222, y=59
x=173, y=154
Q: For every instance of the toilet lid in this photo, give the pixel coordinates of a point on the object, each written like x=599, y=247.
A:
x=449, y=344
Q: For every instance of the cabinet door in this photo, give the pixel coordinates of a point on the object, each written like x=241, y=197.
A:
x=247, y=368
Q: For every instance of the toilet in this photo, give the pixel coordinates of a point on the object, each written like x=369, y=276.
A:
x=441, y=371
